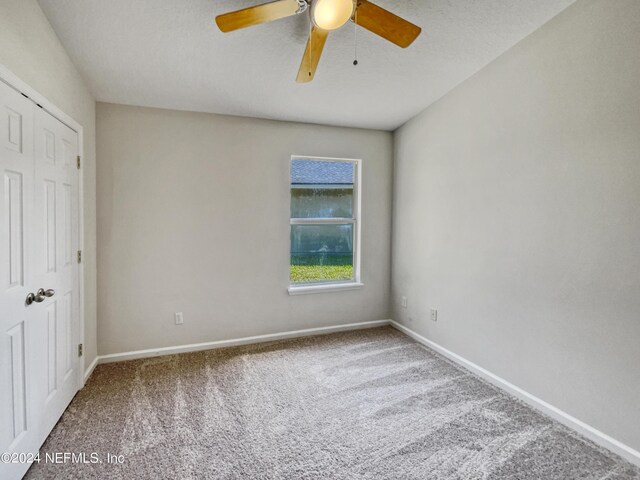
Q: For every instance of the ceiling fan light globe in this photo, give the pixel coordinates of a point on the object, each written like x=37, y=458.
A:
x=331, y=14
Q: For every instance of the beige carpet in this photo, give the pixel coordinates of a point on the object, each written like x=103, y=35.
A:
x=371, y=404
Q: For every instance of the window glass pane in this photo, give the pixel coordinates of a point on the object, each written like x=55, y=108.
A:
x=321, y=189
x=321, y=253
x=321, y=203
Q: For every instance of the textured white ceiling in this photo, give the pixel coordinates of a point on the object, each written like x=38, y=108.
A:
x=170, y=54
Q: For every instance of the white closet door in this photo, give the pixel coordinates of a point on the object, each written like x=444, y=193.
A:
x=19, y=352
x=56, y=267
x=39, y=289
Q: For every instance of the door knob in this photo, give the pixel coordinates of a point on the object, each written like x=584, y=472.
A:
x=46, y=293
x=39, y=296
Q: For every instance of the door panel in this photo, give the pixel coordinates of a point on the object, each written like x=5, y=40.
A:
x=67, y=225
x=52, y=344
x=66, y=336
x=13, y=130
x=14, y=208
x=18, y=380
x=19, y=430
x=49, y=224
x=49, y=146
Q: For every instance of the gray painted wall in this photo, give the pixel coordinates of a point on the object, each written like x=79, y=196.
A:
x=517, y=216
x=31, y=50
x=193, y=216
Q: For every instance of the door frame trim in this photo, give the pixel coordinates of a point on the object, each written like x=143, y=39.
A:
x=15, y=82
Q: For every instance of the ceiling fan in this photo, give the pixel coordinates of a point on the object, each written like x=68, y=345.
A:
x=326, y=15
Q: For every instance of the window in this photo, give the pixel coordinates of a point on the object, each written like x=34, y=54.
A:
x=325, y=224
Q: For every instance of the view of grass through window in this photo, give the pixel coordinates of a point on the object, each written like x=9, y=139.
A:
x=310, y=269
x=322, y=221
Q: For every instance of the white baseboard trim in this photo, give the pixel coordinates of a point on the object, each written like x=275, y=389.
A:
x=90, y=369
x=156, y=352
x=579, y=426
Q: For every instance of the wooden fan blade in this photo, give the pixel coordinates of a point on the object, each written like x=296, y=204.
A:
x=255, y=15
x=384, y=23
x=312, y=54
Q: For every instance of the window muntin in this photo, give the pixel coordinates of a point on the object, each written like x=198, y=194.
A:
x=324, y=221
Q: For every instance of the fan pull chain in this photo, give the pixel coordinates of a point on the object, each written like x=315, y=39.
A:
x=355, y=38
x=310, y=44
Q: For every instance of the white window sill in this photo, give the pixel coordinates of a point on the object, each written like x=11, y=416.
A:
x=331, y=287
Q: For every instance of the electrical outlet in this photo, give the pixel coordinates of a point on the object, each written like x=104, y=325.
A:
x=404, y=302
x=179, y=318
x=434, y=315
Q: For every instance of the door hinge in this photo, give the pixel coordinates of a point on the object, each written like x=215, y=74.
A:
x=78, y=159
x=79, y=256
x=79, y=349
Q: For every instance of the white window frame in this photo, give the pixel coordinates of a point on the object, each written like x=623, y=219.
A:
x=333, y=285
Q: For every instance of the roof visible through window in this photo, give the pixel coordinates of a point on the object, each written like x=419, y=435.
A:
x=315, y=172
